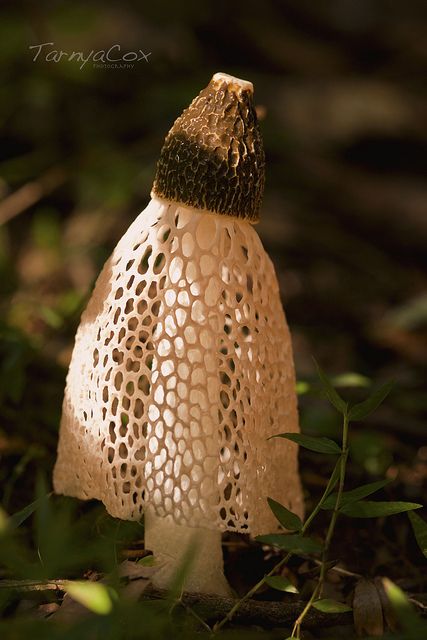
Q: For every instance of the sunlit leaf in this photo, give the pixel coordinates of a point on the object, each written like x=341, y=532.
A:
x=318, y=444
x=331, y=606
x=365, y=408
x=295, y=543
x=350, y=379
x=302, y=387
x=371, y=509
x=414, y=628
x=281, y=584
x=419, y=527
x=147, y=561
x=95, y=596
x=401, y=606
x=355, y=494
x=330, y=392
x=286, y=518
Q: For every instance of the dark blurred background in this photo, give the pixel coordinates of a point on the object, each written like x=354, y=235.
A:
x=340, y=91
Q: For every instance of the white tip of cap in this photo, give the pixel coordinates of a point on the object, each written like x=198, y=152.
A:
x=238, y=83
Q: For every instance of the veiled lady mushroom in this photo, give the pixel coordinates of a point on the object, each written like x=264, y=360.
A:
x=182, y=366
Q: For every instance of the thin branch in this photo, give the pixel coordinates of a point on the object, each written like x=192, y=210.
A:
x=34, y=585
x=30, y=193
x=208, y=609
x=212, y=608
x=339, y=570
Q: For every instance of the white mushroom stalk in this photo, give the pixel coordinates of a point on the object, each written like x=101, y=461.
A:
x=182, y=366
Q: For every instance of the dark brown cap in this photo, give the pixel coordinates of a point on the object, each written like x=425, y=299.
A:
x=213, y=157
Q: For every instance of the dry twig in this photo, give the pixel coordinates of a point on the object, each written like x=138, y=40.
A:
x=30, y=193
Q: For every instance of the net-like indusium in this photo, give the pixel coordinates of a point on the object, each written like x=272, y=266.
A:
x=181, y=370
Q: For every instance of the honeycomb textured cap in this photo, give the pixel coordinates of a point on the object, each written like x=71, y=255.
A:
x=213, y=157
x=181, y=370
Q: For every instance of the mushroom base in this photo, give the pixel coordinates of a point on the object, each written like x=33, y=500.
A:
x=173, y=545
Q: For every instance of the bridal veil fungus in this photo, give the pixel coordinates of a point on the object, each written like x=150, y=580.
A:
x=182, y=366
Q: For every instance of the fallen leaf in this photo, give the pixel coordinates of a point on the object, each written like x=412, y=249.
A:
x=367, y=609
x=138, y=570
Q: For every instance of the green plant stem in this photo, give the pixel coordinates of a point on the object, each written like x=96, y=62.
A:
x=251, y=592
x=283, y=561
x=331, y=528
x=329, y=535
x=317, y=508
x=297, y=624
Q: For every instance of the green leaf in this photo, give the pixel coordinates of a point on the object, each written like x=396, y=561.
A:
x=320, y=445
x=413, y=627
x=295, y=543
x=95, y=596
x=18, y=518
x=350, y=379
x=365, y=408
x=419, y=527
x=4, y=521
x=371, y=509
x=401, y=606
x=147, y=561
x=330, y=392
x=331, y=606
x=355, y=494
x=281, y=584
x=302, y=387
x=286, y=518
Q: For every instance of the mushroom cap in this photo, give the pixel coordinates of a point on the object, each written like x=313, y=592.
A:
x=182, y=368
x=213, y=158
